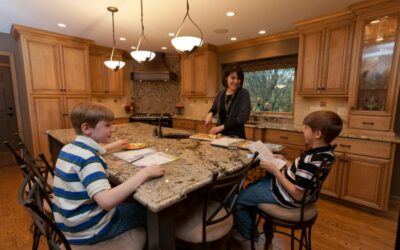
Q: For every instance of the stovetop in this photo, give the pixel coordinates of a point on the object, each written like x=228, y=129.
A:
x=151, y=115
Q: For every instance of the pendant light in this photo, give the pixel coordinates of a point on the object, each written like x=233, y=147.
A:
x=187, y=44
x=112, y=64
x=142, y=55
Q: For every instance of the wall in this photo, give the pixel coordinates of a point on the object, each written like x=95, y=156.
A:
x=8, y=44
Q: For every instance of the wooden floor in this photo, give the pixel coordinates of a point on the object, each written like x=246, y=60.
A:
x=337, y=227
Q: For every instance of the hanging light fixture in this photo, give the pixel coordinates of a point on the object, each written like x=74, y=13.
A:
x=187, y=44
x=142, y=55
x=112, y=64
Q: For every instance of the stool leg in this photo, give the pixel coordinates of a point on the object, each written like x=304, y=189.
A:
x=303, y=231
x=268, y=232
x=292, y=239
x=309, y=238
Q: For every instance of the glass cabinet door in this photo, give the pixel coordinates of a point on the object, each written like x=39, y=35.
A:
x=376, y=63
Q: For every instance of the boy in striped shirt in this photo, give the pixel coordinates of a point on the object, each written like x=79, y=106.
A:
x=286, y=187
x=85, y=207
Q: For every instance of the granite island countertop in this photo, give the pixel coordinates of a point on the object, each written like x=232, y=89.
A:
x=197, y=162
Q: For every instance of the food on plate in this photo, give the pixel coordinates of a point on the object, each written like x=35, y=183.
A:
x=135, y=145
x=244, y=145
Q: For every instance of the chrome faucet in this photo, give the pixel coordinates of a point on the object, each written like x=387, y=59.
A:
x=158, y=132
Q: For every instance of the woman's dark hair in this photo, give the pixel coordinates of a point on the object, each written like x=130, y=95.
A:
x=232, y=68
x=328, y=122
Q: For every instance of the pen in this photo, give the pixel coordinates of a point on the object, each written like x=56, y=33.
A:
x=136, y=159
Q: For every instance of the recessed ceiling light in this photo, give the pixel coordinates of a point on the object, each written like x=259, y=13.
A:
x=230, y=13
x=233, y=38
x=163, y=47
x=133, y=47
x=261, y=32
x=122, y=38
x=61, y=25
x=171, y=34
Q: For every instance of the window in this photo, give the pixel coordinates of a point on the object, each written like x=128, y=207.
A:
x=271, y=84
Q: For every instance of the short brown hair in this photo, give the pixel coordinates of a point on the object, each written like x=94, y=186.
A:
x=90, y=113
x=232, y=68
x=328, y=122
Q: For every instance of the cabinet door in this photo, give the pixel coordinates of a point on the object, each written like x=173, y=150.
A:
x=338, y=42
x=42, y=66
x=69, y=103
x=332, y=184
x=75, y=65
x=249, y=133
x=97, y=77
x=310, y=62
x=200, y=74
x=187, y=75
x=365, y=181
x=114, y=80
x=47, y=114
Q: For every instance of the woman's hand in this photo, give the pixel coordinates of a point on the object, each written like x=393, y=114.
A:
x=208, y=119
x=216, y=130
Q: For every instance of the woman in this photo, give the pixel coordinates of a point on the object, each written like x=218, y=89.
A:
x=231, y=104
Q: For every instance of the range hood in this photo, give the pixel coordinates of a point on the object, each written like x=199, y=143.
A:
x=155, y=70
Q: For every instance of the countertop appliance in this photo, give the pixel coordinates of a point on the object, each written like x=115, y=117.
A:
x=153, y=118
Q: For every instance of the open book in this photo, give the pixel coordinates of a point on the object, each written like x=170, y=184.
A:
x=265, y=154
x=145, y=157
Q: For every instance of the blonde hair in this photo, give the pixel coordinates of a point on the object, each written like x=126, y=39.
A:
x=90, y=113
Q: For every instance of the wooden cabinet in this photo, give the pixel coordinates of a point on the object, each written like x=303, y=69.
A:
x=51, y=112
x=105, y=81
x=360, y=175
x=375, y=65
x=199, y=72
x=56, y=67
x=292, y=141
x=184, y=124
x=57, y=75
x=324, y=55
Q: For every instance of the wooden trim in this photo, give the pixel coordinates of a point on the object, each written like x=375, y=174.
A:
x=366, y=7
x=259, y=41
x=342, y=16
x=18, y=30
x=15, y=91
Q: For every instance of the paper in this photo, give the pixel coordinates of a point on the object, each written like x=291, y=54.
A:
x=225, y=141
x=265, y=154
x=134, y=154
x=157, y=158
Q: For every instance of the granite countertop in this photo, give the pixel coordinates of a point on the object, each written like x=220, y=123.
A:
x=198, y=161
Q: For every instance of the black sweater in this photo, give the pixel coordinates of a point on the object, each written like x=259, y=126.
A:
x=237, y=114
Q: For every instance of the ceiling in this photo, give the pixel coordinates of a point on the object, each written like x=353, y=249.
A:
x=90, y=18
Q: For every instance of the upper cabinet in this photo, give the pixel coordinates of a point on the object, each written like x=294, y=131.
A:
x=55, y=66
x=199, y=72
x=324, y=55
x=375, y=66
x=105, y=81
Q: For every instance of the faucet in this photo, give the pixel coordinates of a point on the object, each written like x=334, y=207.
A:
x=160, y=133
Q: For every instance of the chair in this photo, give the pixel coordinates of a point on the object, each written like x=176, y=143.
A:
x=36, y=200
x=210, y=224
x=302, y=218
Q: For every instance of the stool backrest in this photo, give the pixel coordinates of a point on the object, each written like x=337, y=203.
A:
x=224, y=190
x=34, y=202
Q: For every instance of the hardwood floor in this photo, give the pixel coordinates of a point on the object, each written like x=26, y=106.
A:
x=337, y=227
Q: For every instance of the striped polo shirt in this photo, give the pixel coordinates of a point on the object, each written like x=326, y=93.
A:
x=80, y=173
x=301, y=173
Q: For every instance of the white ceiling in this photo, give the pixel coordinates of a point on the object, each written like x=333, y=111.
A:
x=90, y=18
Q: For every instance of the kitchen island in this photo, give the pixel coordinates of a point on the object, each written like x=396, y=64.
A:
x=197, y=162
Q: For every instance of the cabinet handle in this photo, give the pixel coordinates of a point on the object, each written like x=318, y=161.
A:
x=368, y=123
x=345, y=145
x=284, y=137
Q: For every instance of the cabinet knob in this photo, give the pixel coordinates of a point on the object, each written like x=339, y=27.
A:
x=351, y=108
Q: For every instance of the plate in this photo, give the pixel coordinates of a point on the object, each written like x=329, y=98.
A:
x=275, y=148
x=135, y=145
x=206, y=137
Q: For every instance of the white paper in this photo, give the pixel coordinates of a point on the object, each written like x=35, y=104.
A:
x=265, y=154
x=131, y=155
x=225, y=141
x=158, y=158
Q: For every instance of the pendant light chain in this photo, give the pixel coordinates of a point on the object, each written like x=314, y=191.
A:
x=112, y=52
x=117, y=64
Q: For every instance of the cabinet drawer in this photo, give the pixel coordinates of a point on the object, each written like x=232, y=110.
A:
x=185, y=124
x=284, y=137
x=368, y=122
x=362, y=147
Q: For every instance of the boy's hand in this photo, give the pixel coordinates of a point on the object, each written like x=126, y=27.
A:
x=153, y=171
x=279, y=156
x=269, y=166
x=116, y=145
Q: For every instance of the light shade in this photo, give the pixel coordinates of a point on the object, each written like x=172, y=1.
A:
x=115, y=65
x=185, y=44
x=143, y=55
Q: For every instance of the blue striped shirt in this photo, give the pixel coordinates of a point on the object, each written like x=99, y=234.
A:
x=80, y=173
